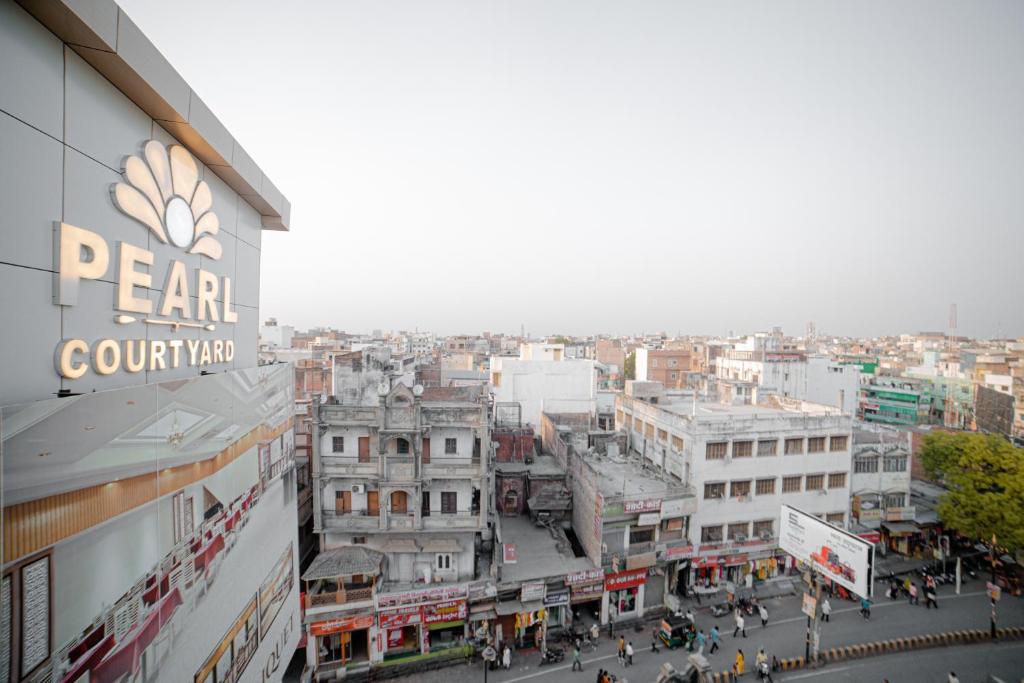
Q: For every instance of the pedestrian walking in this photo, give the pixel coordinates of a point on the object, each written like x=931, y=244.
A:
x=764, y=615
x=629, y=653
x=865, y=608
x=715, y=636
x=654, y=640
x=506, y=658
x=595, y=634
x=912, y=594
x=600, y=676
x=690, y=617
x=611, y=625
x=740, y=625
x=929, y=598
x=701, y=640
x=577, y=663
x=826, y=610
x=739, y=665
x=622, y=650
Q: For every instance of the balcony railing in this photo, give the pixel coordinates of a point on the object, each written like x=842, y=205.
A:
x=339, y=597
x=334, y=465
x=458, y=467
x=356, y=520
x=641, y=548
x=458, y=520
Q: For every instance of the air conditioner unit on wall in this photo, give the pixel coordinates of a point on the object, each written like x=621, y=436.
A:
x=358, y=488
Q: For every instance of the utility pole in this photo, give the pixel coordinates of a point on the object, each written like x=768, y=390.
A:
x=813, y=639
x=992, y=556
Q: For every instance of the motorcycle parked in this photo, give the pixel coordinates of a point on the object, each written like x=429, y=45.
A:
x=552, y=655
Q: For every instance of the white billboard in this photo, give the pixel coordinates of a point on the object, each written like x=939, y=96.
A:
x=838, y=555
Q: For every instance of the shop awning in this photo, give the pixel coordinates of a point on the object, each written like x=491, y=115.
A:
x=516, y=607
x=401, y=545
x=901, y=528
x=441, y=545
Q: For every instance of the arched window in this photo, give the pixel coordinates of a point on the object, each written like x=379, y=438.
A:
x=399, y=502
x=511, y=502
x=403, y=446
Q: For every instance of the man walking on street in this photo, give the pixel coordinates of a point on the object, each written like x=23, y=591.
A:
x=929, y=593
x=577, y=663
x=629, y=653
x=826, y=610
x=865, y=608
x=912, y=594
x=595, y=634
x=740, y=625
x=764, y=615
x=714, y=639
x=701, y=640
x=622, y=650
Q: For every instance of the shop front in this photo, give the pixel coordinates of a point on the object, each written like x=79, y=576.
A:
x=677, y=570
x=556, y=607
x=341, y=641
x=586, y=589
x=625, y=595
x=398, y=633
x=446, y=624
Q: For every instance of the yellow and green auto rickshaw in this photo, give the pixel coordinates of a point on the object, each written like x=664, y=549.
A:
x=673, y=631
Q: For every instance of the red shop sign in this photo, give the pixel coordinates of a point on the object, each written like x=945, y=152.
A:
x=323, y=628
x=444, y=611
x=679, y=551
x=705, y=562
x=735, y=559
x=636, y=577
x=399, y=617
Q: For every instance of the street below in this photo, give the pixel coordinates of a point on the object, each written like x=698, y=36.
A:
x=785, y=636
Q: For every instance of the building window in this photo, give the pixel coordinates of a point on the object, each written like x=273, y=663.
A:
x=359, y=540
x=403, y=447
x=816, y=444
x=895, y=500
x=895, y=463
x=738, y=531
x=443, y=561
x=425, y=504
x=654, y=362
x=836, y=518
x=496, y=379
x=451, y=446
x=672, y=362
x=742, y=449
x=740, y=488
x=337, y=444
x=791, y=484
x=838, y=443
x=865, y=465
x=714, y=490
x=638, y=425
x=764, y=529
x=837, y=480
x=766, y=487
x=662, y=435
x=794, y=446
x=711, y=534
x=448, y=502
x=815, y=482
x=717, y=451
x=767, y=447
x=677, y=444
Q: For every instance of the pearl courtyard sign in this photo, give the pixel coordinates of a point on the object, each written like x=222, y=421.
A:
x=162, y=192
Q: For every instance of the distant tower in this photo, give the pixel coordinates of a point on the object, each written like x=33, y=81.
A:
x=810, y=330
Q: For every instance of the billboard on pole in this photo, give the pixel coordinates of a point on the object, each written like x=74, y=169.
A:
x=836, y=554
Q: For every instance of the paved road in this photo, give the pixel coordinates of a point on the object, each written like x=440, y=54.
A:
x=784, y=637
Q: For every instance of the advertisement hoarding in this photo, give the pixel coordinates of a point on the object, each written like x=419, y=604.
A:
x=836, y=554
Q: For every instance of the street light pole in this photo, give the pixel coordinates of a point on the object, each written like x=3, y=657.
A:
x=992, y=556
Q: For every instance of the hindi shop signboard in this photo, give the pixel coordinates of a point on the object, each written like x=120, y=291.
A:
x=633, y=507
x=838, y=555
x=628, y=579
x=421, y=597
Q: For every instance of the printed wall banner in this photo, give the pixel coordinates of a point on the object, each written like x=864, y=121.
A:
x=275, y=589
x=587, y=592
x=810, y=604
x=628, y=579
x=394, y=638
x=556, y=597
x=588, y=576
x=869, y=515
x=904, y=514
x=678, y=551
x=356, y=623
x=399, y=617
x=680, y=507
x=421, y=597
x=234, y=651
x=163, y=193
x=838, y=555
x=481, y=590
x=632, y=507
x=452, y=610
x=508, y=553
x=532, y=590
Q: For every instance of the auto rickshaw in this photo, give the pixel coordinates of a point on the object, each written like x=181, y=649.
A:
x=673, y=631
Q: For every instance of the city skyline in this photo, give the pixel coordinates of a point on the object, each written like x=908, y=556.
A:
x=659, y=166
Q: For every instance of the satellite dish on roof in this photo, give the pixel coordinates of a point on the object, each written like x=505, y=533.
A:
x=417, y=390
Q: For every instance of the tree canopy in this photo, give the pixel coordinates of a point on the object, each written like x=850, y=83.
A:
x=629, y=368
x=985, y=475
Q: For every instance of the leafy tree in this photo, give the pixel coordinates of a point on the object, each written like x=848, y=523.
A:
x=939, y=451
x=629, y=367
x=985, y=475
x=560, y=339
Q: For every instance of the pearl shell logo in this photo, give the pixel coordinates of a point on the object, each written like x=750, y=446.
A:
x=164, y=193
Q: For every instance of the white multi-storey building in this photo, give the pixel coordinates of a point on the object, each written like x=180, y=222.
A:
x=541, y=380
x=880, y=476
x=744, y=461
x=794, y=374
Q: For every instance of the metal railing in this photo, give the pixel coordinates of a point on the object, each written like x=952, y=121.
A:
x=339, y=597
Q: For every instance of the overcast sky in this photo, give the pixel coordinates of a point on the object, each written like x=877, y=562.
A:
x=587, y=167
